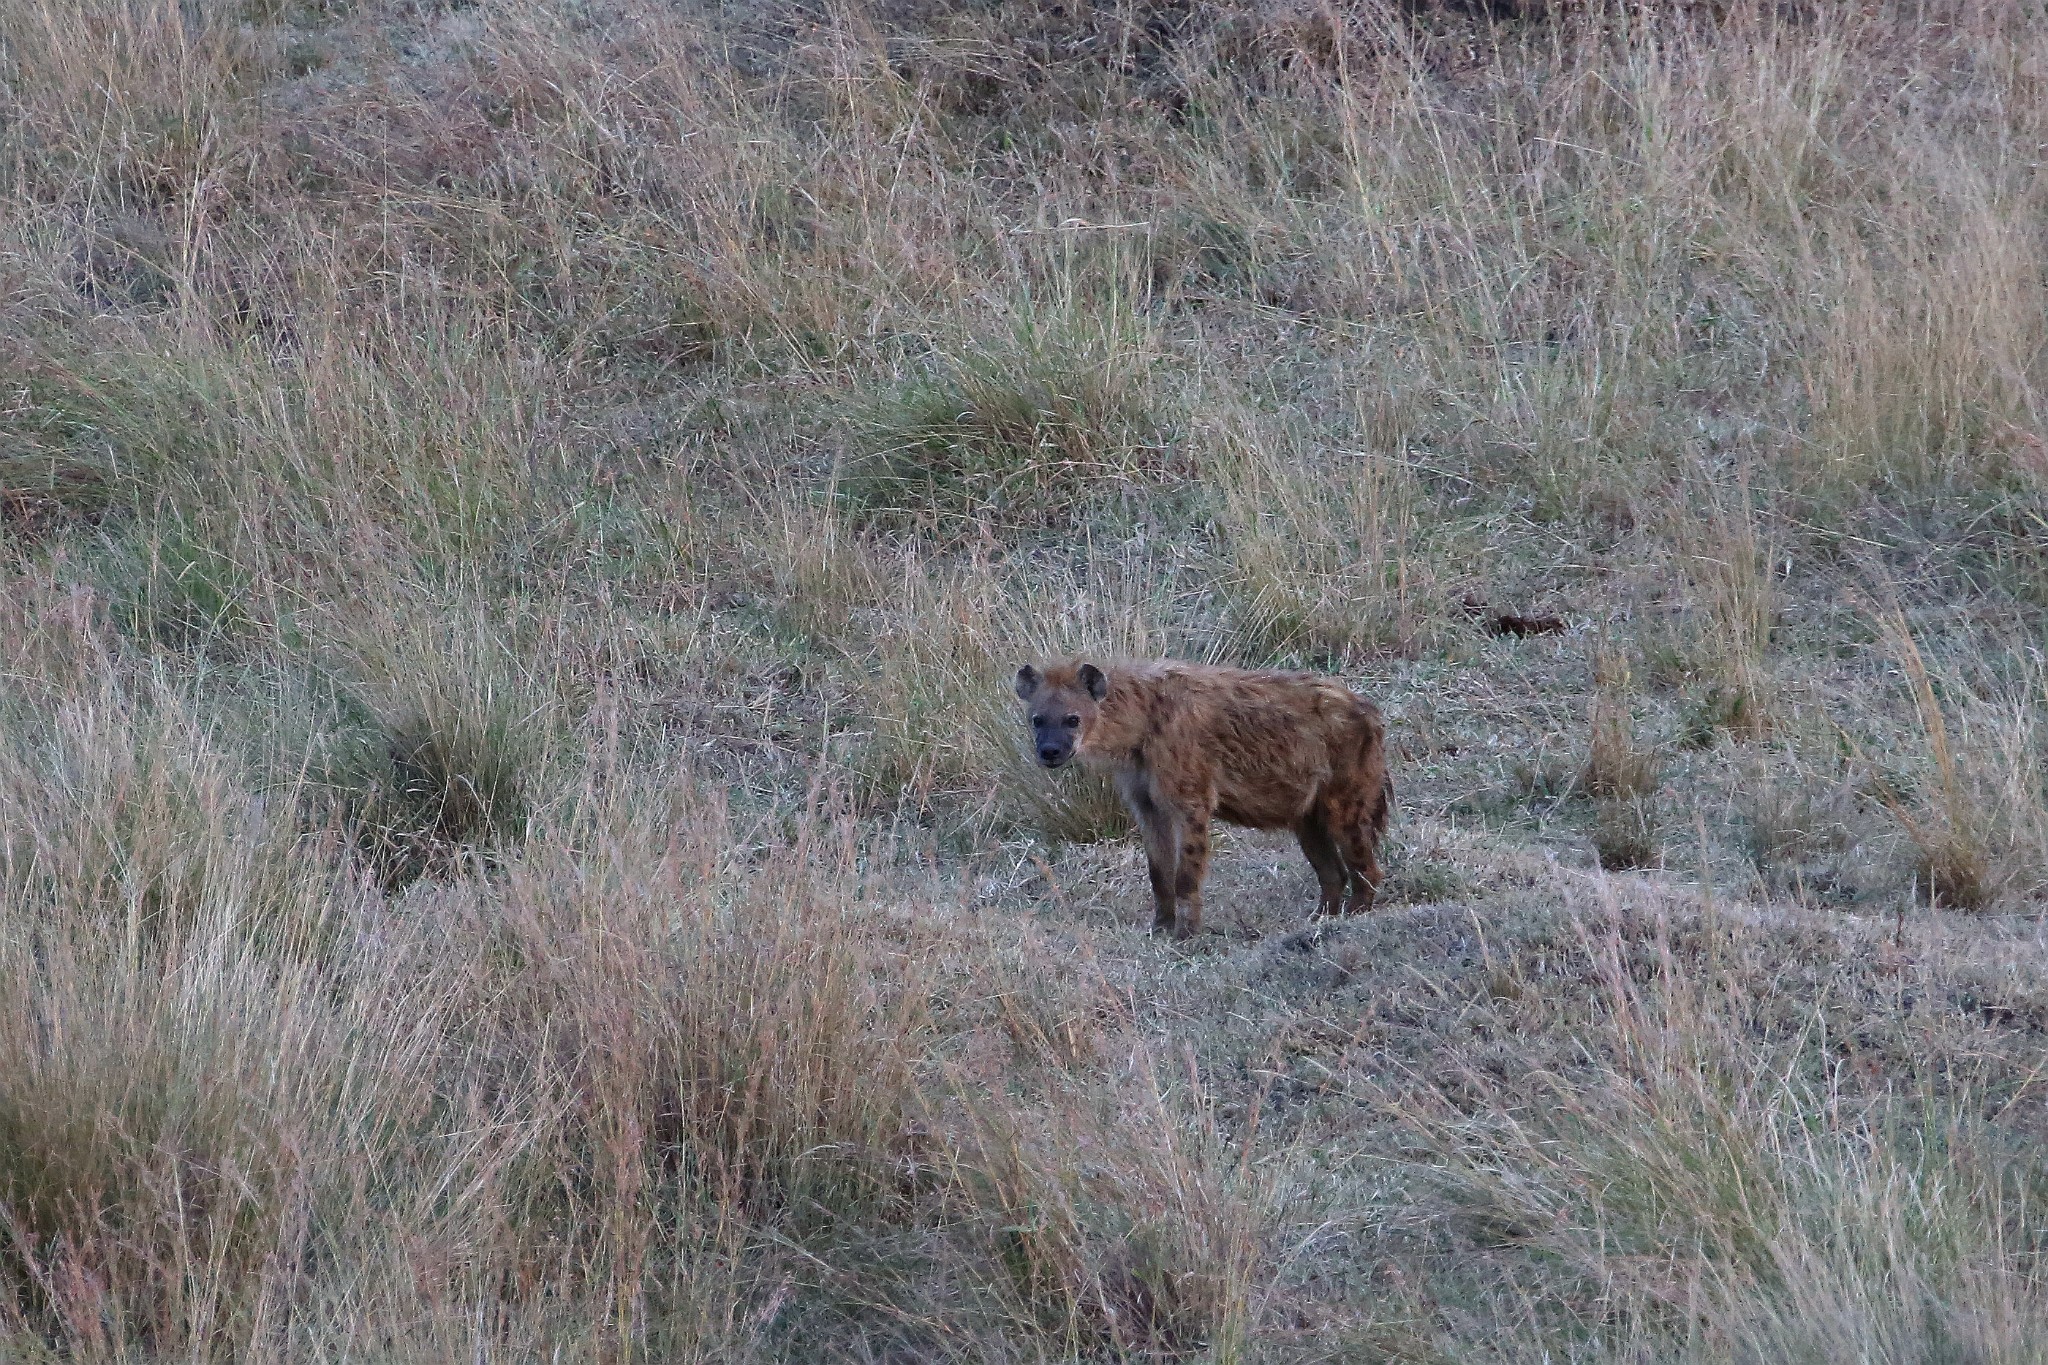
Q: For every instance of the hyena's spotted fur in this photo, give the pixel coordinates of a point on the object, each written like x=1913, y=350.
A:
x=1188, y=742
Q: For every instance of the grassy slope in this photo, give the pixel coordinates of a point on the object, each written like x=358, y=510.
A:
x=517, y=518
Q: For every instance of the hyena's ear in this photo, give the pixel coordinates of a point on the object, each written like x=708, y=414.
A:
x=1095, y=680
x=1028, y=680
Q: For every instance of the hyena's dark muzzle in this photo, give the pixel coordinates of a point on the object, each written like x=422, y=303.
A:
x=1052, y=739
x=1053, y=747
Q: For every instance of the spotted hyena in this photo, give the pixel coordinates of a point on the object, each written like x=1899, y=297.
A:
x=1187, y=742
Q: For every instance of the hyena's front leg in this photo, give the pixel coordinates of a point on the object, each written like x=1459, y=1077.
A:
x=1162, y=848
x=1193, y=868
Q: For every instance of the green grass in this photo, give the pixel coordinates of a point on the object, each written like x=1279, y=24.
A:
x=1040, y=429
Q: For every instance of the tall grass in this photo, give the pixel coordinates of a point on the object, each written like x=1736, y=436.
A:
x=1029, y=431
x=1732, y=569
x=590, y=1094
x=1323, y=552
x=1975, y=804
x=1728, y=1199
x=119, y=103
x=944, y=730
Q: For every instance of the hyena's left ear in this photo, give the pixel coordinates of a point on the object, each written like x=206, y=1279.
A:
x=1028, y=680
x=1094, y=679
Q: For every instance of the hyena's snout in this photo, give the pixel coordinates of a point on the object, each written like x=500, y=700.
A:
x=1053, y=740
x=1054, y=745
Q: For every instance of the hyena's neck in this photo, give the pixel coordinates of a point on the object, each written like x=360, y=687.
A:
x=1121, y=724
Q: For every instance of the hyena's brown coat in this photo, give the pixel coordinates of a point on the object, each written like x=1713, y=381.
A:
x=1186, y=742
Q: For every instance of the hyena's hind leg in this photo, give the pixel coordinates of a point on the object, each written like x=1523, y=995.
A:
x=1355, y=822
x=1328, y=861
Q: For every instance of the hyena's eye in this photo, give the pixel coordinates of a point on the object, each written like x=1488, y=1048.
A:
x=1071, y=721
x=1038, y=720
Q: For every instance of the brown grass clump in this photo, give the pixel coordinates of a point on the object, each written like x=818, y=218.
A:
x=117, y=103
x=1621, y=774
x=1321, y=549
x=1625, y=832
x=1976, y=825
x=1618, y=766
x=1953, y=835
x=1731, y=569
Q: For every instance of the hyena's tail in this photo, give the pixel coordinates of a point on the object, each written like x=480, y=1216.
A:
x=1372, y=763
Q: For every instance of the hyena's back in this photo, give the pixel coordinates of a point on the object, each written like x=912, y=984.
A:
x=1272, y=747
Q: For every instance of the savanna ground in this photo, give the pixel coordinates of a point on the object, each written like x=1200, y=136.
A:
x=518, y=519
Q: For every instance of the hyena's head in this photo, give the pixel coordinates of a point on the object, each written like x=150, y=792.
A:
x=1060, y=704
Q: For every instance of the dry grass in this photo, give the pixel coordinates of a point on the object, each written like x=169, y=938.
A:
x=1975, y=820
x=516, y=525
x=1322, y=551
x=1733, y=569
x=1029, y=432
x=1619, y=766
x=1749, y=1199
x=1802, y=827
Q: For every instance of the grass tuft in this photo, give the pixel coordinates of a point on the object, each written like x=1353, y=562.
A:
x=1321, y=549
x=1618, y=765
x=1731, y=570
x=1977, y=829
x=1801, y=829
x=1625, y=832
x=1035, y=428
x=455, y=734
